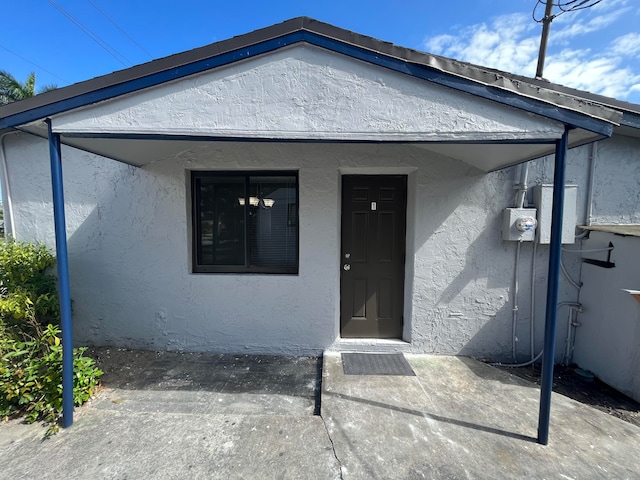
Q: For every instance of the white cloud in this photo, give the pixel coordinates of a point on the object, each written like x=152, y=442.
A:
x=579, y=69
x=506, y=44
x=627, y=45
x=511, y=43
x=573, y=25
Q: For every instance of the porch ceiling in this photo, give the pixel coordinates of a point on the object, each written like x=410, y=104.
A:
x=141, y=150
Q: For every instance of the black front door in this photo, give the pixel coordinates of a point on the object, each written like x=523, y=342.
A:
x=372, y=255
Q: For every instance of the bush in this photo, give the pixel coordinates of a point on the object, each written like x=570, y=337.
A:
x=28, y=296
x=30, y=347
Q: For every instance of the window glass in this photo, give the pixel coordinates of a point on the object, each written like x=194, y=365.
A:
x=221, y=221
x=245, y=222
x=273, y=242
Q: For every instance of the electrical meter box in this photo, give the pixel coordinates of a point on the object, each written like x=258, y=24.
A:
x=519, y=224
x=543, y=200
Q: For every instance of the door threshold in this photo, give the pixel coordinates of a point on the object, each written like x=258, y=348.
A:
x=369, y=345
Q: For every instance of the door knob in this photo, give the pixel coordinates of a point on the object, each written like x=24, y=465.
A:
x=346, y=267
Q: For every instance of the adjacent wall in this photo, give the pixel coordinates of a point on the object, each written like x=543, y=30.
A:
x=608, y=338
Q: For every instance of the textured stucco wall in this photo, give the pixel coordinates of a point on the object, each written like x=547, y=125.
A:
x=608, y=338
x=129, y=234
x=129, y=249
x=306, y=92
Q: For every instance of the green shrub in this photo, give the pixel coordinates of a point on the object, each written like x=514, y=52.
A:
x=28, y=297
x=30, y=346
x=31, y=376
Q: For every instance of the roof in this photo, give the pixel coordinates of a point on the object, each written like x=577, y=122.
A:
x=630, y=111
x=587, y=111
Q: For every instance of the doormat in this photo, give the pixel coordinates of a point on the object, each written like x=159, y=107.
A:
x=376, y=364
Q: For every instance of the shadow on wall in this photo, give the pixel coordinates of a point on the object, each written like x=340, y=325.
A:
x=106, y=260
x=138, y=230
x=463, y=269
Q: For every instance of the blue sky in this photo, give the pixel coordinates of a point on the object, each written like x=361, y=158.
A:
x=597, y=49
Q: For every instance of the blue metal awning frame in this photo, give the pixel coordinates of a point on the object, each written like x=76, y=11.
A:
x=64, y=290
x=553, y=286
x=102, y=90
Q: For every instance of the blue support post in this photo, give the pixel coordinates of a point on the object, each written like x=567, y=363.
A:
x=63, y=276
x=553, y=280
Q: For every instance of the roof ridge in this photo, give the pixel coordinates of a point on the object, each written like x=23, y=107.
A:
x=94, y=90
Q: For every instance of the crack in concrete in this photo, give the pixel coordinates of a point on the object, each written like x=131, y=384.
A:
x=333, y=447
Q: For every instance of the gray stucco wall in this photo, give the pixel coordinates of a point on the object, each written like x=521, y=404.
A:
x=128, y=228
x=130, y=264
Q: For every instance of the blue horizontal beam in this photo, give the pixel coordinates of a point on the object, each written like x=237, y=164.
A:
x=213, y=138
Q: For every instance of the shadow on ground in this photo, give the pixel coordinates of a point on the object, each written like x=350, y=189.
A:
x=139, y=370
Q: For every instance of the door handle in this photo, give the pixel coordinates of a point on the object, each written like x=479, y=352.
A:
x=346, y=267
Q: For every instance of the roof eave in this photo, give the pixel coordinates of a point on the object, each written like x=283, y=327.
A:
x=575, y=111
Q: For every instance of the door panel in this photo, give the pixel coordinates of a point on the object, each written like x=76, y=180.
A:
x=372, y=255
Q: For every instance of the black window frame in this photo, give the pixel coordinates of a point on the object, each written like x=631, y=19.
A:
x=195, y=224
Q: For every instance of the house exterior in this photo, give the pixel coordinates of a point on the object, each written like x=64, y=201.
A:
x=303, y=188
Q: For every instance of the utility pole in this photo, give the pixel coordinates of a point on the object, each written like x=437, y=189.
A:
x=546, y=23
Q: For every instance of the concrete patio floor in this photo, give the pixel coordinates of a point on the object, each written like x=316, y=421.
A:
x=208, y=416
x=459, y=418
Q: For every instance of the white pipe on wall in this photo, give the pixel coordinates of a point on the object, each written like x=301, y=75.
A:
x=9, y=225
x=533, y=302
x=593, y=152
x=573, y=306
x=522, y=186
x=514, y=320
x=521, y=195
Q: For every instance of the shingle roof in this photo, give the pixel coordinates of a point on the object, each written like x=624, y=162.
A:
x=492, y=84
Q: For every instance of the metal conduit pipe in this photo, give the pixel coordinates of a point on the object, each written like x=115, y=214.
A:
x=522, y=186
x=593, y=151
x=578, y=285
x=573, y=307
x=518, y=365
x=588, y=250
x=533, y=301
x=514, y=319
x=521, y=196
x=7, y=201
x=566, y=275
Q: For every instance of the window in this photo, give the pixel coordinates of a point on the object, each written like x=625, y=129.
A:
x=245, y=222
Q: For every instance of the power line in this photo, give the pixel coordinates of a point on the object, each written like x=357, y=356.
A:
x=33, y=63
x=107, y=48
x=548, y=17
x=119, y=28
x=564, y=6
x=575, y=5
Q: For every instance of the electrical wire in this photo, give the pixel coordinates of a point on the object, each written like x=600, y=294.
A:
x=119, y=28
x=107, y=48
x=568, y=277
x=564, y=7
x=33, y=63
x=517, y=365
x=591, y=250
